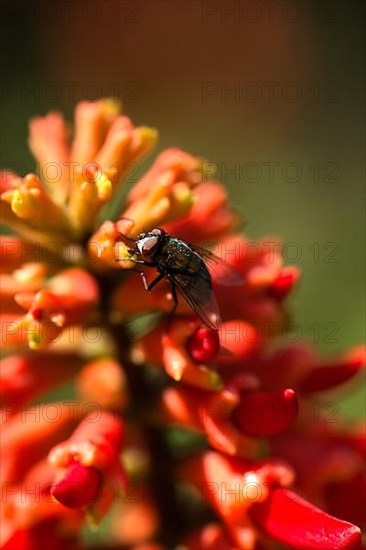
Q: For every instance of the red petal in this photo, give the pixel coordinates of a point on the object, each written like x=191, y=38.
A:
x=43, y=535
x=80, y=486
x=291, y=520
x=337, y=495
x=283, y=284
x=266, y=413
x=240, y=341
x=329, y=376
x=22, y=377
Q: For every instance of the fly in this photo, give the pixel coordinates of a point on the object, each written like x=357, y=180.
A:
x=186, y=267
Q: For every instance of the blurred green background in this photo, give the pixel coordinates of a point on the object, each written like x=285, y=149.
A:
x=271, y=90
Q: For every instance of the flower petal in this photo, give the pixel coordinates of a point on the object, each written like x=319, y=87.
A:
x=266, y=412
x=329, y=376
x=79, y=486
x=293, y=521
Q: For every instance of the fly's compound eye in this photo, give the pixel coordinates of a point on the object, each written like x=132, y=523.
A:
x=147, y=245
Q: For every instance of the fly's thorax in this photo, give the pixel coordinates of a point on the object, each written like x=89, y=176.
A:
x=176, y=255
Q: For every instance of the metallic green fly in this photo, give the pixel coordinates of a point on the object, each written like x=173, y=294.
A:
x=187, y=268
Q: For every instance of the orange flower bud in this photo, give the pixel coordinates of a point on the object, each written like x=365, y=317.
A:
x=103, y=381
x=29, y=201
x=210, y=217
x=48, y=143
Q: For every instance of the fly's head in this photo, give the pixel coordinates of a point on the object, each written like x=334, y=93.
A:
x=147, y=244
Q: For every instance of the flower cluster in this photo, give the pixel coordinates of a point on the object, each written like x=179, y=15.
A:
x=150, y=428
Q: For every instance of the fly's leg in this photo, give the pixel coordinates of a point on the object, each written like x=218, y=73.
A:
x=144, y=281
x=170, y=316
x=149, y=264
x=155, y=281
x=175, y=298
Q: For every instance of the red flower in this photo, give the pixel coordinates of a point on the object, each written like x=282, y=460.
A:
x=107, y=413
x=89, y=464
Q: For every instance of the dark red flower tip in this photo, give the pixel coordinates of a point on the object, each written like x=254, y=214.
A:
x=81, y=485
x=265, y=413
x=330, y=376
x=204, y=345
x=295, y=522
x=37, y=313
x=282, y=285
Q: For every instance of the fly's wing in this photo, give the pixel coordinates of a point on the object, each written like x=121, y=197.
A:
x=198, y=293
x=222, y=272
